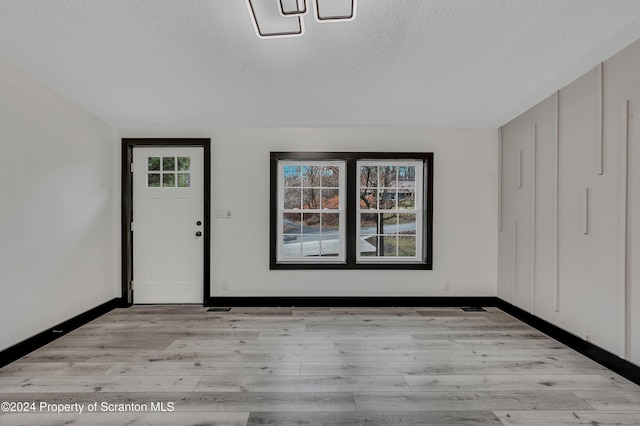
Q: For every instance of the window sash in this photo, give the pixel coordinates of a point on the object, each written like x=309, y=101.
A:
x=417, y=211
x=282, y=257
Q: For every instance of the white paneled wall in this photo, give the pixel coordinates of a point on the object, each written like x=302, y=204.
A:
x=622, y=127
x=570, y=207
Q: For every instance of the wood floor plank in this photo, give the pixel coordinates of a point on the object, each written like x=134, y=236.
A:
x=257, y=345
x=166, y=333
x=465, y=401
x=210, y=356
x=417, y=355
x=300, y=383
x=367, y=368
x=377, y=418
x=143, y=343
x=203, y=368
x=337, y=335
x=613, y=400
x=99, y=384
x=506, y=382
x=568, y=418
x=48, y=369
x=505, y=344
x=477, y=334
x=138, y=419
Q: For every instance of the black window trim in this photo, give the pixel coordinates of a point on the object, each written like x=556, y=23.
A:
x=351, y=158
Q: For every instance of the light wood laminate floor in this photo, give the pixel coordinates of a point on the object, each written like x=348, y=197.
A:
x=333, y=366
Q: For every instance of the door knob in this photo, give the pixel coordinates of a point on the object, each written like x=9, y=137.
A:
x=198, y=223
x=198, y=234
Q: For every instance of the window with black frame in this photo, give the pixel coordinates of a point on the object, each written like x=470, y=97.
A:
x=332, y=210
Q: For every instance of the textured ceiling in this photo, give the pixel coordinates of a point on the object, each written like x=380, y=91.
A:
x=199, y=63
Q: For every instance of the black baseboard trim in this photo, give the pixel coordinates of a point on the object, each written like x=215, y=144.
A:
x=603, y=357
x=350, y=301
x=29, y=345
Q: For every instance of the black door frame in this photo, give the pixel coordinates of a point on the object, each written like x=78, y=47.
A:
x=127, y=207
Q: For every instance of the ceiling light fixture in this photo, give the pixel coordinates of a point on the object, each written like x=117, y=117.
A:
x=285, y=18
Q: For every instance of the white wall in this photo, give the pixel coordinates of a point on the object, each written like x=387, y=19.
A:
x=581, y=279
x=465, y=211
x=58, y=209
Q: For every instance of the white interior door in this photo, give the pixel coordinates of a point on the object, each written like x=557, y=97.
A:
x=168, y=225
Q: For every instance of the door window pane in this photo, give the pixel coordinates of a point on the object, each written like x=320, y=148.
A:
x=168, y=163
x=153, y=180
x=184, y=164
x=168, y=180
x=153, y=164
x=184, y=180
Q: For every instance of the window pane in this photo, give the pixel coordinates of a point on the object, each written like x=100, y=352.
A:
x=291, y=246
x=368, y=199
x=389, y=223
x=330, y=176
x=330, y=199
x=368, y=223
x=369, y=176
x=407, y=246
x=388, y=246
x=153, y=180
x=311, y=245
x=168, y=180
x=368, y=245
x=311, y=223
x=406, y=199
x=387, y=199
x=330, y=245
x=406, y=174
x=330, y=223
x=387, y=177
x=311, y=176
x=168, y=163
x=292, y=223
x=154, y=164
x=407, y=223
x=184, y=180
x=292, y=198
x=311, y=198
x=291, y=176
x=184, y=164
